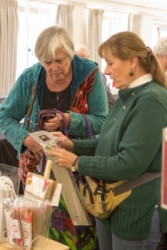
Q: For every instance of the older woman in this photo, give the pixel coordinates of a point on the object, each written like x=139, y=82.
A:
x=129, y=144
x=160, y=51
x=63, y=81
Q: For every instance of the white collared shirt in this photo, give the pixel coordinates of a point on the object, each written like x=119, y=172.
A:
x=141, y=80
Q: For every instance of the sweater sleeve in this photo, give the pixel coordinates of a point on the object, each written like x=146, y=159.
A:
x=12, y=111
x=135, y=146
x=98, y=110
x=84, y=147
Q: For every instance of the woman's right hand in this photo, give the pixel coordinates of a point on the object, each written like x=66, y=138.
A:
x=34, y=147
x=63, y=141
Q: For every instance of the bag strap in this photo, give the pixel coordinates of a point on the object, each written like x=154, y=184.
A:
x=88, y=126
x=129, y=185
x=30, y=108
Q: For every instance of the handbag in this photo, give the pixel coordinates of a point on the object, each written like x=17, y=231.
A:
x=45, y=115
x=101, y=198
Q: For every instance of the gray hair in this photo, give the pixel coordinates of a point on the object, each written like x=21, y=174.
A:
x=160, y=47
x=51, y=39
x=82, y=48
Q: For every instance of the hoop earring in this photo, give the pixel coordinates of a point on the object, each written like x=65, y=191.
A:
x=131, y=73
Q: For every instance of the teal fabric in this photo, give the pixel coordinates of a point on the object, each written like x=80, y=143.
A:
x=129, y=145
x=14, y=108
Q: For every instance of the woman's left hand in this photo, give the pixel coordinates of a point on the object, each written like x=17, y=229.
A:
x=56, y=122
x=53, y=124
x=63, y=157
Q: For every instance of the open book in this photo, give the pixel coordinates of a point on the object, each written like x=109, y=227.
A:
x=164, y=170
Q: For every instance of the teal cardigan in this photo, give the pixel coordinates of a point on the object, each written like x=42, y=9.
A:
x=129, y=145
x=15, y=107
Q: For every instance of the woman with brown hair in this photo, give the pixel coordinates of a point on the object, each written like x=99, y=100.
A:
x=129, y=145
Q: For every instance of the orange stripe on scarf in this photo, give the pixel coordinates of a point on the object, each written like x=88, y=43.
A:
x=80, y=104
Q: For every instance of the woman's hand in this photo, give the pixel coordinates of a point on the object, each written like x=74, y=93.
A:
x=34, y=147
x=56, y=122
x=63, y=157
x=53, y=124
x=63, y=141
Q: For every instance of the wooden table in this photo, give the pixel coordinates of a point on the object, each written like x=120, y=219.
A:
x=39, y=245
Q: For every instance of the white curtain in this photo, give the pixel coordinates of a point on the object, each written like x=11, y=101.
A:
x=95, y=34
x=8, y=45
x=64, y=17
x=136, y=24
x=130, y=17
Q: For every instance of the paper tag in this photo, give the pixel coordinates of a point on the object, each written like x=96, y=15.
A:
x=54, y=201
x=38, y=186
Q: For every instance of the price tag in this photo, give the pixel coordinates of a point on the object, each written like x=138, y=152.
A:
x=38, y=186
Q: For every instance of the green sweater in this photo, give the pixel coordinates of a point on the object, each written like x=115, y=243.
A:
x=129, y=145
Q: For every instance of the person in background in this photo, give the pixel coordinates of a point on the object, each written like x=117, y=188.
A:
x=63, y=81
x=160, y=51
x=82, y=51
x=129, y=145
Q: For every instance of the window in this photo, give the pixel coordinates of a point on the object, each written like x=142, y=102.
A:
x=113, y=22
x=32, y=20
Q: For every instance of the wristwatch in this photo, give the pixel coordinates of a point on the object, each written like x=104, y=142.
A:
x=73, y=167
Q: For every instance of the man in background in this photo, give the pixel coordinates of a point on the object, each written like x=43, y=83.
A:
x=83, y=52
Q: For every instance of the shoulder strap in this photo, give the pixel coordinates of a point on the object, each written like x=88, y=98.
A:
x=29, y=111
x=88, y=126
x=129, y=185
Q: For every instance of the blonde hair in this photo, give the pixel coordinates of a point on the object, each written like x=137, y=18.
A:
x=51, y=39
x=126, y=45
